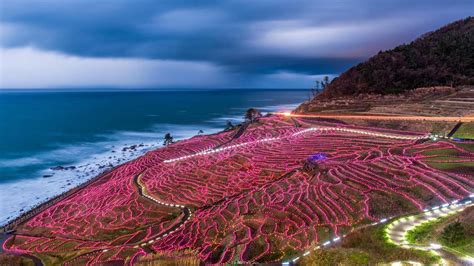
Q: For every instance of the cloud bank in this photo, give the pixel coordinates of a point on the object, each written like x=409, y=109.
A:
x=32, y=68
x=228, y=43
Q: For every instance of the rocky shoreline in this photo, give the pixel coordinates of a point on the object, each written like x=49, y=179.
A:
x=89, y=170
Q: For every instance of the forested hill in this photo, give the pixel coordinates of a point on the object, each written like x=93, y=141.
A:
x=442, y=57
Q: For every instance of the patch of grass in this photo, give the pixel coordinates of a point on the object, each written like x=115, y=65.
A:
x=466, y=146
x=358, y=258
x=440, y=152
x=451, y=165
x=336, y=256
x=454, y=236
x=58, y=258
x=465, y=247
x=445, y=230
x=465, y=131
x=368, y=246
x=8, y=259
x=445, y=158
x=174, y=259
x=383, y=203
x=423, y=233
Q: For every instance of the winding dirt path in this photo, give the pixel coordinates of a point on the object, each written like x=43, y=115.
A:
x=187, y=213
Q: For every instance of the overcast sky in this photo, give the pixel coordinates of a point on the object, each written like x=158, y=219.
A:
x=203, y=44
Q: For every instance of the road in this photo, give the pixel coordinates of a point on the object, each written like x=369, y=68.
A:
x=463, y=119
x=398, y=229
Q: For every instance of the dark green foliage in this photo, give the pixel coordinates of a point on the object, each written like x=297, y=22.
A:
x=441, y=58
x=252, y=114
x=168, y=139
x=453, y=233
x=229, y=125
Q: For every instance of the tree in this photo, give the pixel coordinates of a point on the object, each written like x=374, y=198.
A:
x=251, y=115
x=325, y=82
x=168, y=139
x=453, y=233
x=229, y=125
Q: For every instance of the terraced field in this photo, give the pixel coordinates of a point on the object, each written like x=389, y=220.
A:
x=264, y=195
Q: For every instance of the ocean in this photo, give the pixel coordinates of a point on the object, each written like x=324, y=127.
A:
x=53, y=140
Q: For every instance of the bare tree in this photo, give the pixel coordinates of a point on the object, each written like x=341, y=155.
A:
x=251, y=115
x=325, y=82
x=168, y=139
x=229, y=125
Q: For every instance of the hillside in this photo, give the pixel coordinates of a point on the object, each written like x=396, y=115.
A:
x=444, y=57
x=269, y=193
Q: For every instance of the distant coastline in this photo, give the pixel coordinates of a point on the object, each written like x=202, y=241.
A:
x=9, y=90
x=91, y=158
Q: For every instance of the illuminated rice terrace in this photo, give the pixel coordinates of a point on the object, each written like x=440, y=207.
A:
x=275, y=191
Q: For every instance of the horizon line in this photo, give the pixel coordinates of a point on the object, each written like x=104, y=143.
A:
x=134, y=89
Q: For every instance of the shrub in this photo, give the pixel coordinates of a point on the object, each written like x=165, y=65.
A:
x=453, y=234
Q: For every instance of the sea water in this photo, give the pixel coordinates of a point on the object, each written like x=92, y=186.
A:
x=88, y=131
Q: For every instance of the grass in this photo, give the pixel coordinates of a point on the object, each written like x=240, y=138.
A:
x=337, y=256
x=368, y=246
x=465, y=247
x=466, y=146
x=451, y=165
x=446, y=158
x=8, y=259
x=465, y=131
x=440, y=152
x=432, y=231
x=174, y=259
x=449, y=159
x=456, y=237
x=422, y=234
x=52, y=258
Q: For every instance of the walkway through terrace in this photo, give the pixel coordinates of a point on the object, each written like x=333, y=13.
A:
x=464, y=119
x=186, y=211
x=321, y=129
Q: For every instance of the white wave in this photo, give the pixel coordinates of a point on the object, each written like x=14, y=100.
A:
x=19, y=162
x=223, y=119
x=280, y=107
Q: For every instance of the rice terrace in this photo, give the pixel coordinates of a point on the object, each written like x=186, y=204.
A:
x=255, y=196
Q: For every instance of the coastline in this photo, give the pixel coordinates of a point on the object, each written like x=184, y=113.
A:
x=71, y=181
x=23, y=217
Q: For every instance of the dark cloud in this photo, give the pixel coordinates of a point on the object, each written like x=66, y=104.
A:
x=250, y=37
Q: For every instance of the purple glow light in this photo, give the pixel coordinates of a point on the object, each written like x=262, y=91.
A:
x=320, y=156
